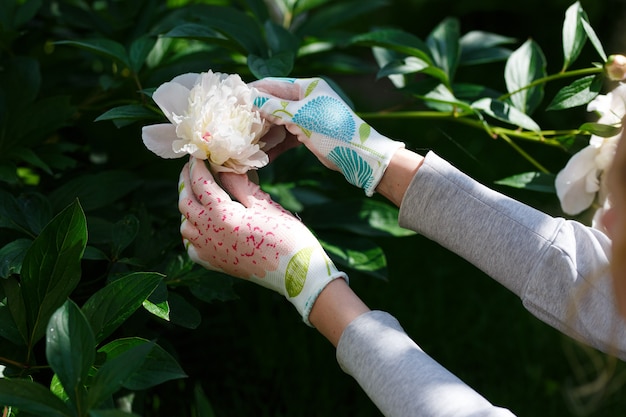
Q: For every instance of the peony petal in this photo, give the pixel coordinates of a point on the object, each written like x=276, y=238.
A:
x=188, y=80
x=572, y=180
x=172, y=98
x=159, y=138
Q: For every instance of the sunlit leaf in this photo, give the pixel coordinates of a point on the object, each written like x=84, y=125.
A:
x=595, y=41
x=396, y=40
x=574, y=35
x=444, y=46
x=535, y=181
x=602, y=130
x=578, y=93
x=506, y=113
x=525, y=65
x=479, y=47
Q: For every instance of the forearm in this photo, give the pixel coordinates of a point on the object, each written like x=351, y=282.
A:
x=402, y=168
x=335, y=307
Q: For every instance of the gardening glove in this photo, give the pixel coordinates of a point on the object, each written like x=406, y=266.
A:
x=325, y=124
x=253, y=238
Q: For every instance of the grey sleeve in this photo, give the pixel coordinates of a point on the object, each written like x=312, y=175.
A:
x=559, y=268
x=400, y=378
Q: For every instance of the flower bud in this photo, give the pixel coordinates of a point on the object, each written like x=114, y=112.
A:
x=616, y=67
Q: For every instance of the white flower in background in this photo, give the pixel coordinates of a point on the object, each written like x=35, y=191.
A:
x=581, y=182
x=212, y=118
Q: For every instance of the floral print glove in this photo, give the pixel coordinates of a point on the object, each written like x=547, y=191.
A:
x=312, y=111
x=256, y=239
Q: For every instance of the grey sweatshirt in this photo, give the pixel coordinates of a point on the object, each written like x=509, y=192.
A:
x=559, y=269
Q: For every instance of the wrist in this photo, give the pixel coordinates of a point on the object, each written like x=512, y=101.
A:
x=402, y=167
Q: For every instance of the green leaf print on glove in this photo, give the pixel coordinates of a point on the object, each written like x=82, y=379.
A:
x=297, y=269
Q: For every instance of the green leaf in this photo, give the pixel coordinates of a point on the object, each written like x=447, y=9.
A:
x=27, y=214
x=160, y=310
x=17, y=309
x=279, y=65
x=51, y=267
x=360, y=254
x=21, y=153
x=31, y=397
x=70, y=349
x=139, y=50
x=95, y=190
x=182, y=313
x=110, y=306
x=525, y=65
x=574, y=35
x=578, y=93
x=280, y=39
x=203, y=406
x=12, y=256
x=444, y=46
x=602, y=130
x=406, y=65
x=103, y=47
x=236, y=25
x=506, y=113
x=111, y=377
x=26, y=11
x=396, y=40
x=213, y=287
x=129, y=113
x=158, y=366
x=363, y=217
x=335, y=15
x=13, y=325
x=595, y=41
x=479, y=47
x=535, y=181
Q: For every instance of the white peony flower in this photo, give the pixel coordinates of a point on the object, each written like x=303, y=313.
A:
x=581, y=182
x=212, y=118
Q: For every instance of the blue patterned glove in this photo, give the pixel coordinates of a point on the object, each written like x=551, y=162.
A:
x=312, y=111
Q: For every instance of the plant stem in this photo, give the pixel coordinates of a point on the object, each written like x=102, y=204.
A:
x=522, y=152
x=557, y=76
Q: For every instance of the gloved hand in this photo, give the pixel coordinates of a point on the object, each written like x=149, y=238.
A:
x=312, y=111
x=254, y=239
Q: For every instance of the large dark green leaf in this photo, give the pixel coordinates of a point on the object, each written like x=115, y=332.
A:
x=444, y=46
x=280, y=39
x=109, y=307
x=95, y=190
x=335, y=14
x=203, y=406
x=578, y=93
x=235, y=25
x=31, y=397
x=70, y=349
x=158, y=367
x=51, y=267
x=104, y=47
x=111, y=377
x=278, y=65
x=111, y=413
x=139, y=50
x=525, y=65
x=363, y=217
x=128, y=113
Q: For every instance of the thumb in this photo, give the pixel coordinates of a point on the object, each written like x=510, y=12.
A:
x=241, y=188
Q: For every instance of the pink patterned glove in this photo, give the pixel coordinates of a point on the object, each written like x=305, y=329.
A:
x=312, y=111
x=256, y=239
